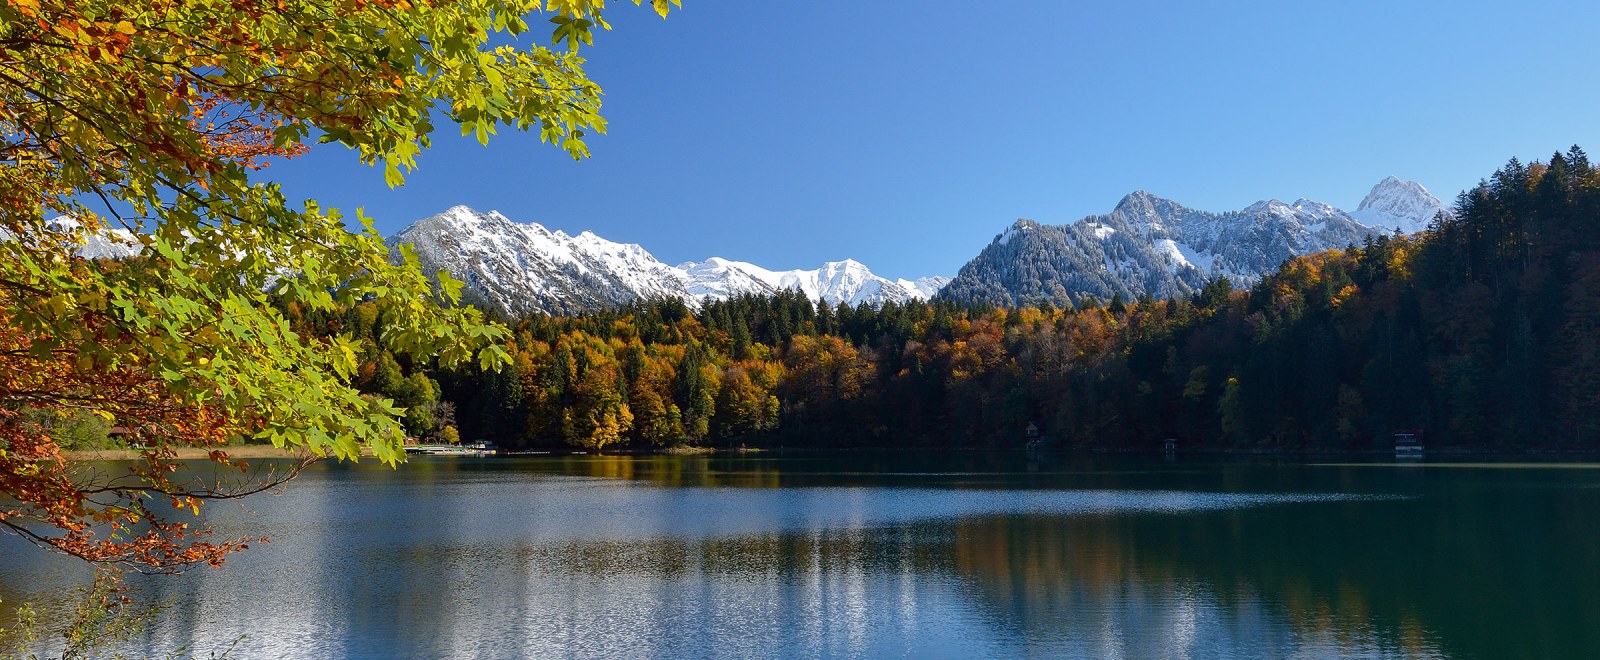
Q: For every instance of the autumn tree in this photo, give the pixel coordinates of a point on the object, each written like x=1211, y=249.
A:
x=745, y=404
x=151, y=118
x=594, y=411
x=658, y=420
x=824, y=373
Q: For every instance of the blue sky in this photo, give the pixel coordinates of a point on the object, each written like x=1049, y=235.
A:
x=907, y=134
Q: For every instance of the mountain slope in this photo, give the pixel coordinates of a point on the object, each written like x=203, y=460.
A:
x=524, y=268
x=104, y=243
x=1395, y=203
x=924, y=287
x=1153, y=246
x=849, y=282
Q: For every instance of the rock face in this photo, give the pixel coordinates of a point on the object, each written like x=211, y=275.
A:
x=1155, y=246
x=522, y=268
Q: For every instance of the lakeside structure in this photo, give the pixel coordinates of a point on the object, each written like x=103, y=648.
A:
x=479, y=448
x=1408, y=444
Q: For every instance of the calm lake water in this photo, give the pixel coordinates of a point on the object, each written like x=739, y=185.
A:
x=889, y=555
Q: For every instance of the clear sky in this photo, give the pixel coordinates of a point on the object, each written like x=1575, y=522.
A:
x=906, y=134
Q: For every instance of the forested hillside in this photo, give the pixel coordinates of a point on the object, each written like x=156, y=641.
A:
x=1481, y=331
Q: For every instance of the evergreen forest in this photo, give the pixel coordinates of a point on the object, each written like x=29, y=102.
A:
x=1480, y=332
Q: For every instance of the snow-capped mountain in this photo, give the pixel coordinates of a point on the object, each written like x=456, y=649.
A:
x=924, y=287
x=849, y=282
x=520, y=268
x=1397, y=203
x=104, y=243
x=1150, y=245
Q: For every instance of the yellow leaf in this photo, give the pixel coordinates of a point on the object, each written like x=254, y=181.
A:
x=125, y=27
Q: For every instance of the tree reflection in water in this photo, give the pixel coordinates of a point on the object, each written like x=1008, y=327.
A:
x=696, y=556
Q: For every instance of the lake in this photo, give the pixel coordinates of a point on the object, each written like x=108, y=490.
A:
x=868, y=554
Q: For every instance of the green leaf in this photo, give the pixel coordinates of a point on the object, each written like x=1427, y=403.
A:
x=392, y=176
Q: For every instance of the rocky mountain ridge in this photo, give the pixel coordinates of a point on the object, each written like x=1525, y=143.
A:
x=521, y=268
x=1149, y=245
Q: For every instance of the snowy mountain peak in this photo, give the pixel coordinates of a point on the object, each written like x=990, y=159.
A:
x=711, y=262
x=1393, y=193
x=462, y=211
x=103, y=243
x=1311, y=206
x=524, y=267
x=1151, y=246
x=520, y=268
x=1395, y=202
x=1021, y=226
x=1141, y=203
x=924, y=287
x=1149, y=214
x=1272, y=206
x=848, y=281
x=1391, y=186
x=1136, y=198
x=466, y=217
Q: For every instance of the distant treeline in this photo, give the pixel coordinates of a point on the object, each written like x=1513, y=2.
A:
x=1481, y=331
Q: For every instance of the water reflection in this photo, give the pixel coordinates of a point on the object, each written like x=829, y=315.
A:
x=1130, y=587
x=696, y=556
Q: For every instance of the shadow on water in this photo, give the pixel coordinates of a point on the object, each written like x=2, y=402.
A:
x=893, y=555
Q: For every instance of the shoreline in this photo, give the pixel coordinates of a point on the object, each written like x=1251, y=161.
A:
x=184, y=453
x=247, y=452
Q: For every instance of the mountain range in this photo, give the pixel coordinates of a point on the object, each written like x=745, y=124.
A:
x=104, y=243
x=1147, y=245
x=518, y=268
x=1152, y=246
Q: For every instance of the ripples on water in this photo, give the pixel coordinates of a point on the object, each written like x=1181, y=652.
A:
x=534, y=561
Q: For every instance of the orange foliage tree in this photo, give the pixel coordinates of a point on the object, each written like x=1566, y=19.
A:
x=143, y=124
